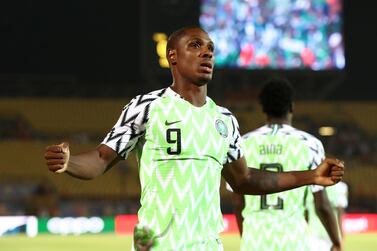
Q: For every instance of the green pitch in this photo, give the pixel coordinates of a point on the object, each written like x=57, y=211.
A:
x=103, y=242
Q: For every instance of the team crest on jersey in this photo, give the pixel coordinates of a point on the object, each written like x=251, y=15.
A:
x=221, y=128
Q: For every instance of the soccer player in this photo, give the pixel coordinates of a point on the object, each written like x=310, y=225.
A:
x=338, y=198
x=277, y=221
x=185, y=143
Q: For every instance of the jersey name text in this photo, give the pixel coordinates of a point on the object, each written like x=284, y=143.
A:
x=270, y=149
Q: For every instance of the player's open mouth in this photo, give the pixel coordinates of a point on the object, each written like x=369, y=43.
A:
x=206, y=67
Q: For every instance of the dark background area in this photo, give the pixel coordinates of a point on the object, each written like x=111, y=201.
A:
x=93, y=40
x=103, y=48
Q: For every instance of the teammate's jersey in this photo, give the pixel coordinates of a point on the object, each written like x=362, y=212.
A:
x=276, y=221
x=181, y=152
x=338, y=198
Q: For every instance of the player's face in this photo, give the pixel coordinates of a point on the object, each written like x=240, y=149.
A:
x=195, y=59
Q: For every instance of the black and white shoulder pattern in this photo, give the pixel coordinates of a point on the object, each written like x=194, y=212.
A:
x=235, y=150
x=317, y=153
x=316, y=150
x=315, y=146
x=131, y=124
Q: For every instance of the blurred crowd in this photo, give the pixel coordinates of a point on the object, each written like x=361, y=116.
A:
x=17, y=127
x=43, y=200
x=277, y=34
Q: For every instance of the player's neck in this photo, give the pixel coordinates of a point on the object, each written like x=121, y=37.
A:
x=194, y=94
x=279, y=121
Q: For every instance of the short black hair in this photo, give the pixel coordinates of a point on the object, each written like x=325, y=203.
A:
x=176, y=36
x=276, y=97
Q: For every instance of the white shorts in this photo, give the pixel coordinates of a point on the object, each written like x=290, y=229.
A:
x=318, y=243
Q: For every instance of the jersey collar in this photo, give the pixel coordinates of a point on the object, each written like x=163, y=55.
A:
x=171, y=93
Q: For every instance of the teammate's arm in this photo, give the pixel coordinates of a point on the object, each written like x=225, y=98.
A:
x=327, y=217
x=244, y=180
x=86, y=165
x=238, y=205
x=340, y=213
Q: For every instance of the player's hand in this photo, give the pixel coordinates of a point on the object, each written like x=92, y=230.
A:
x=144, y=247
x=336, y=248
x=329, y=172
x=57, y=157
x=144, y=238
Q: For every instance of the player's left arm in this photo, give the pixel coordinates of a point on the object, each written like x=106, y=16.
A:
x=327, y=217
x=244, y=180
x=238, y=206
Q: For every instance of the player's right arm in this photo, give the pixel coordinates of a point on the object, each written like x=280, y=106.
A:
x=327, y=217
x=117, y=144
x=340, y=213
x=86, y=165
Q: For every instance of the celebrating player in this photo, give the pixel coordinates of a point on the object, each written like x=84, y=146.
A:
x=185, y=143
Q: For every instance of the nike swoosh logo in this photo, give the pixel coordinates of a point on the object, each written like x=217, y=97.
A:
x=171, y=123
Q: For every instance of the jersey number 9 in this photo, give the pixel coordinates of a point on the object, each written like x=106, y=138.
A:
x=173, y=136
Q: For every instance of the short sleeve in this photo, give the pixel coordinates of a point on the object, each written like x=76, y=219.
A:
x=317, y=155
x=341, y=189
x=235, y=150
x=130, y=126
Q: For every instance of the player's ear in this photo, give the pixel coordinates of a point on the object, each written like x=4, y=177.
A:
x=172, y=56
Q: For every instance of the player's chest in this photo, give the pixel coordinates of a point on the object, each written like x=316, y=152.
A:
x=189, y=131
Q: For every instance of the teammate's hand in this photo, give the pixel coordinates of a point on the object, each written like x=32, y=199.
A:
x=329, y=172
x=336, y=248
x=57, y=157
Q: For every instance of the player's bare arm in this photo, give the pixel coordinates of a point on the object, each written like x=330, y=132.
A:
x=238, y=204
x=86, y=165
x=340, y=212
x=327, y=217
x=253, y=181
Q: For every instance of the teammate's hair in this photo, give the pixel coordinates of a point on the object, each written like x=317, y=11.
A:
x=276, y=97
x=176, y=36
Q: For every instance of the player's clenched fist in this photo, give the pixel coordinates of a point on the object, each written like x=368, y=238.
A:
x=57, y=157
x=329, y=172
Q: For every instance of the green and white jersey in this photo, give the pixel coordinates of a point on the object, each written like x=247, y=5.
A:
x=276, y=221
x=338, y=198
x=181, y=152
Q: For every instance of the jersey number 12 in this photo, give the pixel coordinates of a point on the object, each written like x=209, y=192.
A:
x=277, y=167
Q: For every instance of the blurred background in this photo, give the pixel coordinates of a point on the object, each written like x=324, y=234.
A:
x=67, y=68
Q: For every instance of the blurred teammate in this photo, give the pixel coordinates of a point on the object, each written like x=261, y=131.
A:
x=277, y=221
x=338, y=198
x=185, y=143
